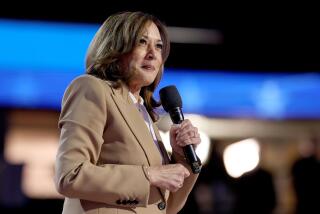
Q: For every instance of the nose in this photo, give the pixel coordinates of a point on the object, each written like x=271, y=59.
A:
x=151, y=52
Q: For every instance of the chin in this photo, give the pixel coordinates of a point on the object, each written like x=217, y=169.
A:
x=147, y=83
x=148, y=80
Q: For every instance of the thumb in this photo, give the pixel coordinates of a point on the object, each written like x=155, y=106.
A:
x=186, y=173
x=174, y=128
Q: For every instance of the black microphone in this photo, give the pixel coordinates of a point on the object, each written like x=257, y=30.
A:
x=172, y=103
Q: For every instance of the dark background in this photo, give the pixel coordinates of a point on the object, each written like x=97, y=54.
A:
x=266, y=37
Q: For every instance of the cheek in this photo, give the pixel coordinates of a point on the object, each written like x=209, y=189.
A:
x=137, y=60
x=133, y=64
x=159, y=60
x=126, y=63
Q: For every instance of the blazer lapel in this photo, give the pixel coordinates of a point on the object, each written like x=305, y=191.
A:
x=161, y=145
x=164, y=193
x=137, y=125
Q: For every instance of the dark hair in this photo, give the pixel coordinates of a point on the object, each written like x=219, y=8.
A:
x=117, y=36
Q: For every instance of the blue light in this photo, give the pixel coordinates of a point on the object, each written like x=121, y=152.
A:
x=39, y=59
x=43, y=45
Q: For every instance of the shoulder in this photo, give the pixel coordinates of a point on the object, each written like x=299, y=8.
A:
x=87, y=87
x=88, y=82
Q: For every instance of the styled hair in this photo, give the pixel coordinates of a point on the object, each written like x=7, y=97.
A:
x=117, y=36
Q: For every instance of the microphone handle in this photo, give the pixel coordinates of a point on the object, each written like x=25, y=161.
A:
x=192, y=159
x=188, y=150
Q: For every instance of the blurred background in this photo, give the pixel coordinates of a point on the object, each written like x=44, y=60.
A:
x=249, y=77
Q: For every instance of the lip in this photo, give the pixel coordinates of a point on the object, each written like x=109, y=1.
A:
x=148, y=67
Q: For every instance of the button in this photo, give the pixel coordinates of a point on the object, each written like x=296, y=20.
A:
x=118, y=201
x=124, y=202
x=162, y=205
x=135, y=202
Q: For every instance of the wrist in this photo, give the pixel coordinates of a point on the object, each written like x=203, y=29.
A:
x=177, y=156
x=178, y=151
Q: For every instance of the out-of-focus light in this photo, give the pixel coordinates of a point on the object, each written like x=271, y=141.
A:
x=166, y=140
x=270, y=100
x=241, y=157
x=195, y=35
x=38, y=182
x=204, y=147
x=36, y=150
x=202, y=150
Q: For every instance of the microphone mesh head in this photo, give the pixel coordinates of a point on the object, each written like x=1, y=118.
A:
x=170, y=97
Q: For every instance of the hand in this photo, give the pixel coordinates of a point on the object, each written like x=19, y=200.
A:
x=182, y=135
x=170, y=177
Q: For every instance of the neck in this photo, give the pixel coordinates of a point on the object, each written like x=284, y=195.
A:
x=135, y=90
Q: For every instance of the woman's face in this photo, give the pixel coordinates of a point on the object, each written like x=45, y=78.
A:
x=145, y=60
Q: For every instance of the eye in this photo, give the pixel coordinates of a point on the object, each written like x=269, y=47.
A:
x=142, y=41
x=159, y=46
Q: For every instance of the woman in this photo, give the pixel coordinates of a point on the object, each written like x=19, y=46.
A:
x=111, y=158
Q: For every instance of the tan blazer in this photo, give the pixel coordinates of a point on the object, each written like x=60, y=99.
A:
x=104, y=144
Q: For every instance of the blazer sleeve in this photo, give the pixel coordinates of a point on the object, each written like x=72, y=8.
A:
x=177, y=200
x=82, y=122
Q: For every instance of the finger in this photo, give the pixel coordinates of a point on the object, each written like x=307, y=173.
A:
x=193, y=141
x=185, y=139
x=185, y=123
x=181, y=168
x=186, y=173
x=174, y=128
x=196, y=141
x=173, y=133
x=184, y=170
x=176, y=182
x=187, y=135
x=190, y=130
x=172, y=187
x=180, y=184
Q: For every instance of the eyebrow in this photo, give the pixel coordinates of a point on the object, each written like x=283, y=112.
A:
x=147, y=37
